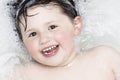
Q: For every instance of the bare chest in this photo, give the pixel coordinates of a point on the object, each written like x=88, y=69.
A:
x=83, y=73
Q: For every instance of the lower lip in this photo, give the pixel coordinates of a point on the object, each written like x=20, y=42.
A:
x=53, y=53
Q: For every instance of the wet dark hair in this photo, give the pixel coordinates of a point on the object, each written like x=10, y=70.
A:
x=21, y=6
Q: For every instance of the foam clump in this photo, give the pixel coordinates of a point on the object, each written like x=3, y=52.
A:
x=11, y=51
x=101, y=23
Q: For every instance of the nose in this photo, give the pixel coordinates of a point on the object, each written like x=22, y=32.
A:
x=44, y=38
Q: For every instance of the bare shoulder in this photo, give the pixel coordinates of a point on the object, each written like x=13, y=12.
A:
x=110, y=57
x=24, y=69
x=106, y=52
x=17, y=72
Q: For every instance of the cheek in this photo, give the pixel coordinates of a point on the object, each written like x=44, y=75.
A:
x=64, y=37
x=31, y=47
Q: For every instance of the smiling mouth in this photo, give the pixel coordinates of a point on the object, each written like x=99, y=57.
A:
x=50, y=51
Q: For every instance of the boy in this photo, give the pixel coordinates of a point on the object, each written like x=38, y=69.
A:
x=48, y=29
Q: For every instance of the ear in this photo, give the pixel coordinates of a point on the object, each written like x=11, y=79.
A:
x=77, y=25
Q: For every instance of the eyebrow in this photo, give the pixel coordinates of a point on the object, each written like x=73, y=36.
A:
x=49, y=22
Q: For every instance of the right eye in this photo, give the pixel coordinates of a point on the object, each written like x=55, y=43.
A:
x=32, y=34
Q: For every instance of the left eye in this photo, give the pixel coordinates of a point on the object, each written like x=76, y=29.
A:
x=52, y=27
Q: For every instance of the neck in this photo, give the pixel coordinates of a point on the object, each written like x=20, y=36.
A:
x=70, y=62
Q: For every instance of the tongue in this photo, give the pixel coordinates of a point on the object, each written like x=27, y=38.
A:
x=50, y=51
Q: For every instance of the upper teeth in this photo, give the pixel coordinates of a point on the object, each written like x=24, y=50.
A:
x=46, y=50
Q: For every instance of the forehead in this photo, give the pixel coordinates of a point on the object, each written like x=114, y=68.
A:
x=44, y=14
x=44, y=9
x=41, y=12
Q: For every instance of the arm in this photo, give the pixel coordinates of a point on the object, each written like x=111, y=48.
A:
x=116, y=65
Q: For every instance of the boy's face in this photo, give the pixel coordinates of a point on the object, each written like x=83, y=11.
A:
x=49, y=37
